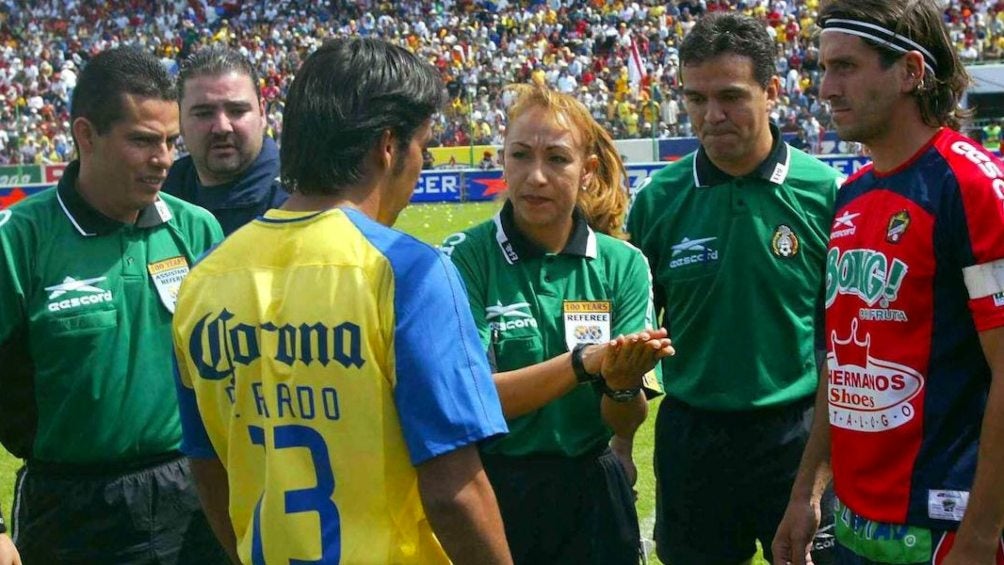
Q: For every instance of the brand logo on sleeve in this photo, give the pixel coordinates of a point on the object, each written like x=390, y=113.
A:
x=77, y=293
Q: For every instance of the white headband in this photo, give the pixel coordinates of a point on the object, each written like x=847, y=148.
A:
x=877, y=33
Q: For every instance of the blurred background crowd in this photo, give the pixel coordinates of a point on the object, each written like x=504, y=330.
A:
x=619, y=57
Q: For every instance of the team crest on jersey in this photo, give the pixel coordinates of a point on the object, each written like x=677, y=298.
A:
x=999, y=299
x=167, y=276
x=785, y=242
x=898, y=224
x=586, y=322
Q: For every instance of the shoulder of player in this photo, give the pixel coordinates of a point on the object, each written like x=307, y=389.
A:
x=661, y=193
x=972, y=165
x=38, y=214
x=188, y=216
x=620, y=256
x=673, y=178
x=807, y=171
x=470, y=240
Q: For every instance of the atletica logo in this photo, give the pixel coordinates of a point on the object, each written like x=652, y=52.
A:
x=91, y=293
x=863, y=272
x=696, y=250
x=515, y=310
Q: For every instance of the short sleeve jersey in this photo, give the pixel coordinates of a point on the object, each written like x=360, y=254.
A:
x=530, y=306
x=321, y=357
x=738, y=262
x=913, y=275
x=85, y=325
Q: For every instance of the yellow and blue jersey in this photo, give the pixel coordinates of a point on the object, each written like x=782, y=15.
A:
x=321, y=356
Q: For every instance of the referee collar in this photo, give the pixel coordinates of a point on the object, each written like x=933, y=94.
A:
x=773, y=169
x=90, y=222
x=515, y=245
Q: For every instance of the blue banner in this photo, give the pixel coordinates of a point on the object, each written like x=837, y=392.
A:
x=434, y=186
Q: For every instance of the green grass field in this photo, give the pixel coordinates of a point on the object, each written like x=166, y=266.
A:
x=431, y=223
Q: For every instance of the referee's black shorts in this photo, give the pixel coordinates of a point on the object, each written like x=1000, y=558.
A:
x=77, y=515
x=723, y=480
x=561, y=510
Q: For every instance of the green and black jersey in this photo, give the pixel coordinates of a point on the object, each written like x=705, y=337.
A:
x=86, y=364
x=738, y=266
x=530, y=306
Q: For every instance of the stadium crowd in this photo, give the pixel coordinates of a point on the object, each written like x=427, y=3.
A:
x=620, y=58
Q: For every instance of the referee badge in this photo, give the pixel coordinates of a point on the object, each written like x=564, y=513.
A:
x=167, y=276
x=785, y=243
x=586, y=322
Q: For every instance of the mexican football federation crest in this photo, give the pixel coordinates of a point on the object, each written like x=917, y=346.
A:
x=785, y=243
x=898, y=224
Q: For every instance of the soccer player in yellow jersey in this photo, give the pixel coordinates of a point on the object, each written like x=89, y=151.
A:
x=332, y=386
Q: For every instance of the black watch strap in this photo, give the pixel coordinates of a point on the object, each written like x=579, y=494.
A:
x=619, y=395
x=581, y=375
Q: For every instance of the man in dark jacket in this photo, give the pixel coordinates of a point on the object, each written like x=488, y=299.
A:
x=232, y=168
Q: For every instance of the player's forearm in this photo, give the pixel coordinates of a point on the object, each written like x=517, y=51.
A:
x=214, y=494
x=461, y=507
x=984, y=518
x=814, y=470
x=624, y=418
x=530, y=388
x=527, y=389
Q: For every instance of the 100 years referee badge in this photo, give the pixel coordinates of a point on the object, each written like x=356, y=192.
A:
x=586, y=322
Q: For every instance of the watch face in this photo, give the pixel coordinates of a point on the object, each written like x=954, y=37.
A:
x=623, y=395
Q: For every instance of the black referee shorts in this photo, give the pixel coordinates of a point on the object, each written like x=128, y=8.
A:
x=74, y=515
x=723, y=480
x=561, y=510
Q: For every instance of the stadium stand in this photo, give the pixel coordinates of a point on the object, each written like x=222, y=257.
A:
x=618, y=57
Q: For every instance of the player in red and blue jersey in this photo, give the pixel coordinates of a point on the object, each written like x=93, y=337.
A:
x=914, y=306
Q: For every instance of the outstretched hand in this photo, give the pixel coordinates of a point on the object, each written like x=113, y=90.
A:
x=627, y=358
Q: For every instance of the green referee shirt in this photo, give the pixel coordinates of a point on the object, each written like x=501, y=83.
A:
x=530, y=306
x=739, y=266
x=85, y=330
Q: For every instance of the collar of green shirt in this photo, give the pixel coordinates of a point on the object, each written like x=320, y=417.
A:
x=514, y=244
x=773, y=169
x=90, y=222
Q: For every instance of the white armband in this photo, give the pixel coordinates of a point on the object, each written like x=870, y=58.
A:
x=984, y=280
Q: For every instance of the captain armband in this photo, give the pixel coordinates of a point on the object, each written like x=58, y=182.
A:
x=984, y=280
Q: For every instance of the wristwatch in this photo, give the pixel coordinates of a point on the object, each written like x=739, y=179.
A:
x=581, y=374
x=619, y=394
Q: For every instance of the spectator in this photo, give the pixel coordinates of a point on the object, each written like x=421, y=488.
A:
x=233, y=167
